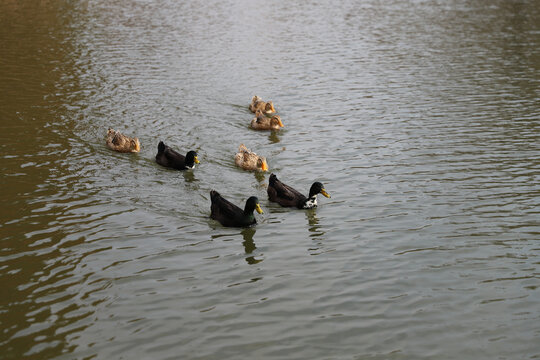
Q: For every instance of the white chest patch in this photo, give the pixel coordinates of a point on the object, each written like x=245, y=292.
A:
x=312, y=202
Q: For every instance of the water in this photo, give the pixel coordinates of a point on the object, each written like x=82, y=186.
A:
x=420, y=118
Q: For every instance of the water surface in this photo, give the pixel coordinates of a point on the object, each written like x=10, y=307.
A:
x=420, y=118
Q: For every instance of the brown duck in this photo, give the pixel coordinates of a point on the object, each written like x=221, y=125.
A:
x=122, y=143
x=263, y=122
x=258, y=104
x=248, y=160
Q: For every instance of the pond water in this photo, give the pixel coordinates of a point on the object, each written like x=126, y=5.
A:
x=421, y=118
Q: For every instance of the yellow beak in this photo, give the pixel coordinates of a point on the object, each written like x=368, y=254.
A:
x=196, y=160
x=264, y=166
x=325, y=193
x=258, y=208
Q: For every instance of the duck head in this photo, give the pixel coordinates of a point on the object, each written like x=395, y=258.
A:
x=135, y=145
x=269, y=108
x=318, y=188
x=276, y=121
x=191, y=159
x=261, y=164
x=252, y=204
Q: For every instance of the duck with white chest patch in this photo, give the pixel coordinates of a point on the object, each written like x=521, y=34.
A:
x=170, y=158
x=286, y=196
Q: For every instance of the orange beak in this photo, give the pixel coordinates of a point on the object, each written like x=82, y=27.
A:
x=264, y=166
x=258, y=208
x=325, y=193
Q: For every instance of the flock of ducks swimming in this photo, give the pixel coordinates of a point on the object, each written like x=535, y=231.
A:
x=221, y=209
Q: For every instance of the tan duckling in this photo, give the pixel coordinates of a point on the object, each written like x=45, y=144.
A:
x=122, y=143
x=258, y=104
x=248, y=160
x=263, y=122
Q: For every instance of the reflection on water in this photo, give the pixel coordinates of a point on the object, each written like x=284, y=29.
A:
x=313, y=221
x=421, y=117
x=189, y=176
x=274, y=137
x=249, y=246
x=261, y=178
x=317, y=234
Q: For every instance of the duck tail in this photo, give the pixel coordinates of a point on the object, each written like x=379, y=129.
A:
x=243, y=148
x=161, y=147
x=214, y=195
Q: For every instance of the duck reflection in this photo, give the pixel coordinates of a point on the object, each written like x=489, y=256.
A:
x=189, y=176
x=259, y=175
x=249, y=245
x=313, y=222
x=316, y=233
x=273, y=137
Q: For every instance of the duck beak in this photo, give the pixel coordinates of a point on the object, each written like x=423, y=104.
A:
x=325, y=193
x=280, y=123
x=264, y=166
x=196, y=160
x=258, y=208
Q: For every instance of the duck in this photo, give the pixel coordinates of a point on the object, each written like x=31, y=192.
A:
x=258, y=103
x=286, y=196
x=263, y=122
x=248, y=160
x=231, y=215
x=169, y=158
x=122, y=143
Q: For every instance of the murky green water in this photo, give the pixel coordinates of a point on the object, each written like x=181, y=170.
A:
x=421, y=118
